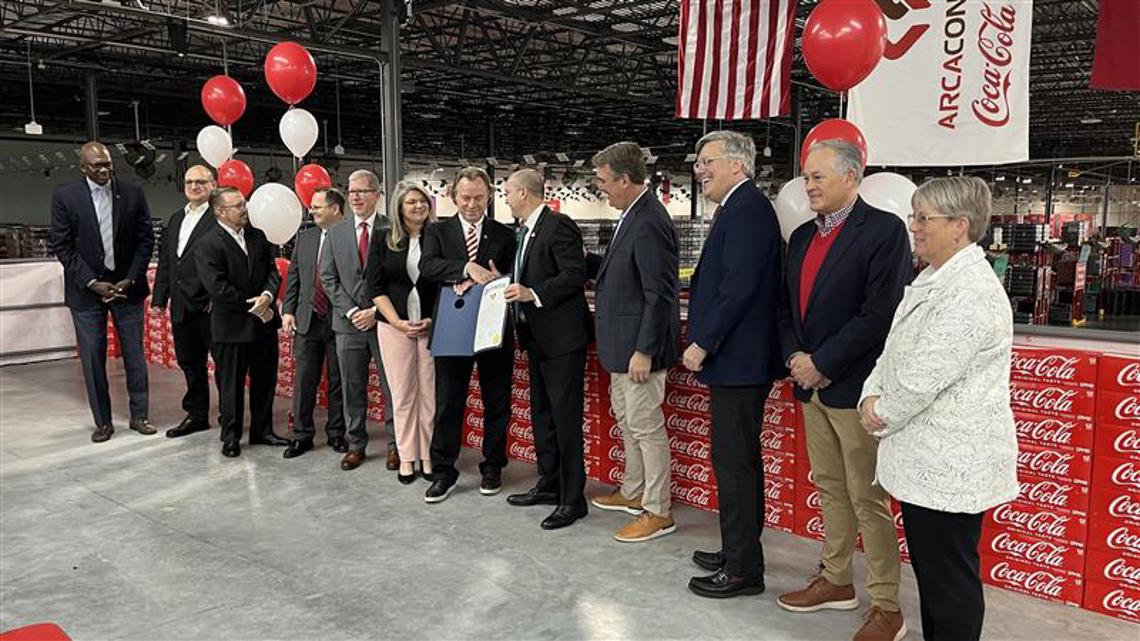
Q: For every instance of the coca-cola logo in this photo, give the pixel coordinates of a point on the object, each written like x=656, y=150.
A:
x=474, y=421
x=1048, y=493
x=1050, y=430
x=474, y=440
x=814, y=526
x=615, y=475
x=696, y=472
x=814, y=501
x=1128, y=409
x=904, y=548
x=1118, y=601
x=772, y=440
x=1054, y=367
x=1053, y=399
x=1036, y=581
x=1049, y=462
x=898, y=521
x=615, y=432
x=683, y=378
x=617, y=454
x=693, y=402
x=1039, y=523
x=699, y=450
x=774, y=514
x=774, y=413
x=1124, y=507
x=1039, y=552
x=774, y=489
x=518, y=430
x=895, y=10
x=695, y=425
x=474, y=402
x=525, y=452
x=994, y=43
x=774, y=465
x=1121, y=570
x=1127, y=441
x=1127, y=474
x=696, y=495
x=520, y=412
x=1129, y=375
x=1123, y=539
x=521, y=394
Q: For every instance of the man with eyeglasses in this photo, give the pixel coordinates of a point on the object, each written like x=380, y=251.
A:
x=306, y=311
x=845, y=275
x=101, y=233
x=176, y=282
x=235, y=263
x=354, y=316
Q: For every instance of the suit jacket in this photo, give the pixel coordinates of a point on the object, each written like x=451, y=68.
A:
x=636, y=290
x=734, y=293
x=78, y=242
x=852, y=300
x=444, y=252
x=387, y=275
x=298, y=297
x=176, y=280
x=342, y=274
x=554, y=266
x=231, y=278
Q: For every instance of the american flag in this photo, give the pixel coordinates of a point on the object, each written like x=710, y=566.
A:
x=734, y=58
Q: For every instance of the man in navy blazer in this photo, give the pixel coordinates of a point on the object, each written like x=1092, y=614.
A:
x=101, y=233
x=846, y=271
x=734, y=349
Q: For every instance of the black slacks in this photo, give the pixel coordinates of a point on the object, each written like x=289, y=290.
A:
x=452, y=375
x=192, y=349
x=556, y=397
x=737, y=413
x=944, y=554
x=232, y=362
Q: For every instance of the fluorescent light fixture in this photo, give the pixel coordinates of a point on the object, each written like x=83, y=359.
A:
x=219, y=21
x=1091, y=120
x=1000, y=178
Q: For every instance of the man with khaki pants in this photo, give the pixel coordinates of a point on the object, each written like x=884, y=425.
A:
x=845, y=275
x=638, y=333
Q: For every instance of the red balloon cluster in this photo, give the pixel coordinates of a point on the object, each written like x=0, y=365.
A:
x=831, y=129
x=223, y=99
x=843, y=41
x=283, y=270
x=236, y=174
x=309, y=179
x=290, y=71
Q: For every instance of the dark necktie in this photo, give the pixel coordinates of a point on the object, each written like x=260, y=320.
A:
x=320, y=296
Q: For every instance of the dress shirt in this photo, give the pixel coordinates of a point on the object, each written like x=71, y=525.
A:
x=239, y=238
x=530, y=223
x=193, y=216
x=415, y=314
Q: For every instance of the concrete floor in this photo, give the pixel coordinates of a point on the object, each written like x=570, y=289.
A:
x=151, y=538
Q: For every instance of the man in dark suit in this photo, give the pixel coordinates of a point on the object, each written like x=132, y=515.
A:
x=235, y=263
x=845, y=275
x=553, y=323
x=638, y=329
x=176, y=282
x=305, y=311
x=354, y=316
x=101, y=233
x=458, y=252
x=734, y=349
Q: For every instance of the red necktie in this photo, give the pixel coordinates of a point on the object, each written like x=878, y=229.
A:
x=362, y=245
x=320, y=297
x=472, y=244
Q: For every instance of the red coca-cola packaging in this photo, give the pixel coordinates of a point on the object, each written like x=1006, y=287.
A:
x=689, y=426
x=1121, y=506
x=1051, y=399
x=520, y=431
x=680, y=378
x=1118, y=373
x=692, y=402
x=808, y=524
x=520, y=413
x=694, y=494
x=782, y=391
x=803, y=476
x=520, y=376
x=1054, y=494
x=1114, y=537
x=1116, y=474
x=473, y=420
x=1054, y=432
x=1057, y=556
x=605, y=471
x=1118, y=408
x=1039, y=522
x=779, y=489
x=781, y=413
x=693, y=471
x=1054, y=464
x=690, y=446
x=473, y=439
x=1054, y=366
x=1113, y=569
x=609, y=432
x=779, y=516
x=1116, y=601
x=375, y=413
x=1032, y=580
x=774, y=438
x=520, y=451
x=779, y=464
x=1117, y=441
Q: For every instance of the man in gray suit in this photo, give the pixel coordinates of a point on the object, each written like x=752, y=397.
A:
x=638, y=333
x=354, y=315
x=305, y=311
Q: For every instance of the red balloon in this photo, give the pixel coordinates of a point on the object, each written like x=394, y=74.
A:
x=831, y=129
x=290, y=71
x=223, y=99
x=283, y=269
x=843, y=41
x=236, y=174
x=309, y=179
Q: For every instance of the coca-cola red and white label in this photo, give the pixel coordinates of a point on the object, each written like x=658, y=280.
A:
x=1053, y=463
x=694, y=494
x=1054, y=432
x=779, y=516
x=780, y=413
x=779, y=464
x=520, y=431
x=689, y=425
x=692, y=447
x=1115, y=600
x=1050, y=365
x=1054, y=494
x=1054, y=555
x=1122, y=506
x=522, y=452
x=1118, y=408
x=1039, y=522
x=1118, y=373
x=687, y=401
x=1114, y=536
x=473, y=439
x=778, y=489
x=808, y=524
x=475, y=402
x=521, y=393
x=1031, y=580
x=693, y=471
x=1114, y=568
x=682, y=379
x=777, y=439
x=473, y=421
x=1052, y=399
x=1116, y=474
x=782, y=391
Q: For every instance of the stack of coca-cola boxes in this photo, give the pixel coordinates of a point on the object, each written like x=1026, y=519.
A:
x=1113, y=569
x=520, y=432
x=689, y=428
x=286, y=366
x=376, y=409
x=1036, y=544
x=780, y=450
x=603, y=447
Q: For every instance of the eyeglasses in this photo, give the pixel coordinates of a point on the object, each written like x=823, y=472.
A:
x=198, y=183
x=922, y=219
x=361, y=192
x=239, y=207
x=316, y=208
x=704, y=162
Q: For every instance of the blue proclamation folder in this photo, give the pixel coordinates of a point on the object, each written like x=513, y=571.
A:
x=456, y=320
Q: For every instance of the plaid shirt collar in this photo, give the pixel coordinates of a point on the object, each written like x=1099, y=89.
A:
x=827, y=223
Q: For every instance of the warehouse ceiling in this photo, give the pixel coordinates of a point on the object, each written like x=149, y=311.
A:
x=499, y=78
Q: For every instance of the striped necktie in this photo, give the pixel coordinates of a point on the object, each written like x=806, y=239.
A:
x=472, y=244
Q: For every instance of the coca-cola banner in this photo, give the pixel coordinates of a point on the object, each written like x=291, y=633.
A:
x=1114, y=600
x=952, y=88
x=1049, y=365
x=1053, y=432
x=1051, y=399
x=1065, y=558
x=1036, y=581
x=1119, y=373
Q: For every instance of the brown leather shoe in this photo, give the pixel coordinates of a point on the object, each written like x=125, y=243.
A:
x=352, y=460
x=393, y=462
x=143, y=426
x=820, y=594
x=881, y=625
x=102, y=433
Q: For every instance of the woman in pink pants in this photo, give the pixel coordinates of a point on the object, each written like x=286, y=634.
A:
x=405, y=304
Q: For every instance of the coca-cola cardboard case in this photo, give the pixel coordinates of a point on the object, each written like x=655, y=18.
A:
x=1113, y=569
x=1118, y=373
x=1113, y=474
x=1039, y=522
x=689, y=426
x=1060, y=557
x=1114, y=600
x=1053, y=366
x=781, y=413
x=779, y=464
x=1054, y=494
x=779, y=516
x=779, y=489
x=693, y=470
x=1032, y=580
x=1118, y=408
x=808, y=524
x=1114, y=537
x=1050, y=463
x=1121, y=506
x=777, y=439
x=1117, y=441
x=1054, y=432
x=1052, y=399
x=695, y=495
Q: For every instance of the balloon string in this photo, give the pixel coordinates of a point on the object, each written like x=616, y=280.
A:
x=842, y=95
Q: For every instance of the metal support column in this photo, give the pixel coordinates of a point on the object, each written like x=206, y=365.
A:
x=1049, y=189
x=91, y=105
x=393, y=146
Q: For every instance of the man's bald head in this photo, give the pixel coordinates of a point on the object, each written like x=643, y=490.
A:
x=198, y=183
x=95, y=162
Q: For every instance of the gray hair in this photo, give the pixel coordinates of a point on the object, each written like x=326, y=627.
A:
x=737, y=146
x=373, y=181
x=531, y=182
x=958, y=197
x=623, y=158
x=216, y=196
x=396, y=232
x=473, y=173
x=847, y=156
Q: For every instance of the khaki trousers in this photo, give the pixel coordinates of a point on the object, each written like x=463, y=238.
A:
x=648, y=469
x=843, y=459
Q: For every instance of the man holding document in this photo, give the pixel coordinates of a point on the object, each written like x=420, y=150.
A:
x=468, y=249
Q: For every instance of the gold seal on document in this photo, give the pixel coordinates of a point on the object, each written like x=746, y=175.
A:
x=496, y=337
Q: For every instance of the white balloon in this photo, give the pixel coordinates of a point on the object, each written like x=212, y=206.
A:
x=890, y=192
x=215, y=145
x=275, y=210
x=298, y=131
x=793, y=207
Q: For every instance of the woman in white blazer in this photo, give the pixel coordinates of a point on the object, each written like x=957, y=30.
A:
x=938, y=399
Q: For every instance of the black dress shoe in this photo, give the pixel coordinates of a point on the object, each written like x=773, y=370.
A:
x=231, y=450
x=563, y=516
x=722, y=586
x=440, y=489
x=492, y=482
x=533, y=497
x=269, y=439
x=187, y=426
x=339, y=444
x=297, y=448
x=711, y=561
x=102, y=433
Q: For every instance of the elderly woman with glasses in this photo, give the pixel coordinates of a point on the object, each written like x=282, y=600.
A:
x=405, y=304
x=938, y=400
